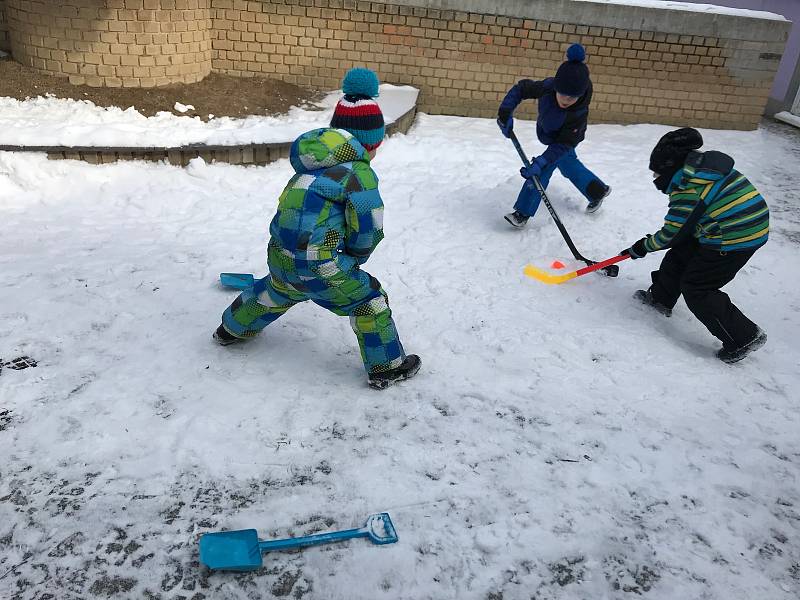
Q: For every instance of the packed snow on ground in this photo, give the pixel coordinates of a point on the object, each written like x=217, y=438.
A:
x=560, y=442
x=50, y=121
x=692, y=7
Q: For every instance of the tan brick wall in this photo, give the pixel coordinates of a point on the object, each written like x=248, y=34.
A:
x=464, y=62
x=131, y=43
x=4, y=43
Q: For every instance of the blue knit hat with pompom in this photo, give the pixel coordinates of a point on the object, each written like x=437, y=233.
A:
x=360, y=82
x=357, y=112
x=572, y=77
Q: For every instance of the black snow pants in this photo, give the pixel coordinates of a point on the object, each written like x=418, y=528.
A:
x=698, y=273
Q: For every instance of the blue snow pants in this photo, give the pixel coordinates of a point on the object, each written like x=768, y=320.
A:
x=337, y=284
x=571, y=167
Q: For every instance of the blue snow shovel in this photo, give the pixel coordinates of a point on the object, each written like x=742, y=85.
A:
x=241, y=550
x=237, y=281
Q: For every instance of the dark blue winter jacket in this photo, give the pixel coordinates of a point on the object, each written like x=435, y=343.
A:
x=558, y=128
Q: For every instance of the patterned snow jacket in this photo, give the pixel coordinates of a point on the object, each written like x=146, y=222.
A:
x=331, y=206
x=557, y=128
x=713, y=202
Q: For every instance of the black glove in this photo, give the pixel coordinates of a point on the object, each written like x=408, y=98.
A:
x=505, y=121
x=638, y=249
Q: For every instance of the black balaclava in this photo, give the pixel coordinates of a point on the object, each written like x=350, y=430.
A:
x=670, y=153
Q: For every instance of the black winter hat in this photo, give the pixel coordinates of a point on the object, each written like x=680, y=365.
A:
x=572, y=77
x=672, y=149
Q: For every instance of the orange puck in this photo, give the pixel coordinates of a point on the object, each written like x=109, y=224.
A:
x=557, y=264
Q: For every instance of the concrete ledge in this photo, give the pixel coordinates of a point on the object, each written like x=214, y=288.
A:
x=240, y=154
x=601, y=14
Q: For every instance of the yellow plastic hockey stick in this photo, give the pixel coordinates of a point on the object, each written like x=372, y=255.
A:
x=545, y=277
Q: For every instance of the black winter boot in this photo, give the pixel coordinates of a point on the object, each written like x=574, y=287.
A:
x=223, y=338
x=598, y=195
x=517, y=219
x=409, y=368
x=731, y=356
x=646, y=297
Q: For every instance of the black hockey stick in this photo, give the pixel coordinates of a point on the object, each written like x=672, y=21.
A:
x=611, y=270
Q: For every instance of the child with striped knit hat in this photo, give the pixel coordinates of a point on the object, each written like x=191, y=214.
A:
x=357, y=112
x=328, y=223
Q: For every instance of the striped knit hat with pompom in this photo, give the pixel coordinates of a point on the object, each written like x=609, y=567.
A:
x=357, y=112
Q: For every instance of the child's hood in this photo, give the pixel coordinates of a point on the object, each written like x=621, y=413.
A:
x=324, y=148
x=710, y=165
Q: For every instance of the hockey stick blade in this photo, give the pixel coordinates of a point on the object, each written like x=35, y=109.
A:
x=550, y=279
x=545, y=277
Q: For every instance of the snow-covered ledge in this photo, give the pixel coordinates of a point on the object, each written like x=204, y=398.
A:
x=665, y=16
x=70, y=129
x=789, y=118
x=758, y=37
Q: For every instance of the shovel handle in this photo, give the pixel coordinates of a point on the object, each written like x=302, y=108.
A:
x=312, y=540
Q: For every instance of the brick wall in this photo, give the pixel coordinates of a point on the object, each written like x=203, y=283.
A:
x=463, y=62
x=648, y=64
x=4, y=44
x=132, y=43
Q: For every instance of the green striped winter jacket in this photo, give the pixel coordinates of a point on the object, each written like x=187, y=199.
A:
x=713, y=202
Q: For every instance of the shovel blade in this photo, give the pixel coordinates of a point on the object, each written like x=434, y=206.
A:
x=380, y=529
x=237, y=281
x=231, y=550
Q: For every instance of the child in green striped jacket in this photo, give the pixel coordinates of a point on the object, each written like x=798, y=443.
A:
x=715, y=223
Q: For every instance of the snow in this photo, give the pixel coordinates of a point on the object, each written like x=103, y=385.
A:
x=691, y=7
x=789, y=118
x=49, y=121
x=182, y=108
x=560, y=442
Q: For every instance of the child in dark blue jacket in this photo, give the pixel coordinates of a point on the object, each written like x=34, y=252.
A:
x=561, y=126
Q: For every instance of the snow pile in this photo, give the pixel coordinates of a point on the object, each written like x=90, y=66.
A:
x=183, y=108
x=48, y=121
x=789, y=118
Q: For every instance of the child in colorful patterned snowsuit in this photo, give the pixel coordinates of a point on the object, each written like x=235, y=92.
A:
x=561, y=126
x=715, y=223
x=328, y=223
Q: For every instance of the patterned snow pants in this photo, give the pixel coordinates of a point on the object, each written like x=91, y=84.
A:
x=336, y=284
